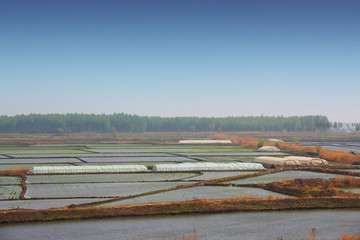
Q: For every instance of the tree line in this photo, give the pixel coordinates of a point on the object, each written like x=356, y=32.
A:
x=122, y=122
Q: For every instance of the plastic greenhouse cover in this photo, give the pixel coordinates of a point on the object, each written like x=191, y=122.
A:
x=87, y=169
x=207, y=166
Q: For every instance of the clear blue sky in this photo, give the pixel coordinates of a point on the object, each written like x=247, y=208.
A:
x=181, y=57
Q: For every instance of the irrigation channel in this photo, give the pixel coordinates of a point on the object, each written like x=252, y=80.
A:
x=329, y=224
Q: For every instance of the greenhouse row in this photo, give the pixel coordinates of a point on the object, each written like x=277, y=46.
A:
x=208, y=166
x=290, y=161
x=87, y=169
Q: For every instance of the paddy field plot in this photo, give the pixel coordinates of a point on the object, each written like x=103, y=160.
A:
x=165, y=149
x=3, y=157
x=90, y=154
x=241, y=154
x=107, y=178
x=44, y=203
x=205, y=192
x=224, y=158
x=7, y=167
x=9, y=180
x=286, y=175
x=95, y=189
x=138, y=159
x=10, y=191
x=38, y=160
x=34, y=151
x=215, y=175
x=148, y=164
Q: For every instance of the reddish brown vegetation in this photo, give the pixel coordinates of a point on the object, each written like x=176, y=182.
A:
x=314, y=187
x=350, y=236
x=330, y=155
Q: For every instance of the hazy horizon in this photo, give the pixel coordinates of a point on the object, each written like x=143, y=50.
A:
x=181, y=58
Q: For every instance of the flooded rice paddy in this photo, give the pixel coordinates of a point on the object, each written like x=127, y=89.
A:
x=74, y=190
x=6, y=180
x=286, y=175
x=44, y=203
x=207, y=192
x=38, y=160
x=216, y=175
x=138, y=159
x=107, y=178
x=10, y=191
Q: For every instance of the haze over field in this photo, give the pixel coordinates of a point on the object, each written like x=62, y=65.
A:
x=181, y=58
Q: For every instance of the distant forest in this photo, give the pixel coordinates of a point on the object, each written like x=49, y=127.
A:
x=121, y=122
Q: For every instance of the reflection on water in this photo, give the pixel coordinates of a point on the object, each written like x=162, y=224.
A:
x=245, y=226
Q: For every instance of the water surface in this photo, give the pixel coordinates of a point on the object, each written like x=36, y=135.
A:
x=225, y=226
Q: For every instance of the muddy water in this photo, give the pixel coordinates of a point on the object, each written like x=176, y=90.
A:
x=330, y=224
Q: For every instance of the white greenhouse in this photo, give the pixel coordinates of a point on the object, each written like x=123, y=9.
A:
x=275, y=140
x=87, y=169
x=308, y=160
x=277, y=161
x=268, y=149
x=207, y=166
x=205, y=142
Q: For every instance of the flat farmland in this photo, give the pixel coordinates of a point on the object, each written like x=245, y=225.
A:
x=207, y=192
x=239, y=154
x=148, y=164
x=215, y=175
x=137, y=159
x=107, y=178
x=38, y=160
x=44, y=203
x=86, y=190
x=10, y=191
x=286, y=175
x=45, y=191
x=9, y=180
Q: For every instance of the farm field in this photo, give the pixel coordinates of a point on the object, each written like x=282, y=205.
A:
x=85, y=190
x=208, y=192
x=10, y=192
x=107, y=178
x=8, y=180
x=44, y=203
x=22, y=191
x=286, y=175
x=38, y=160
x=137, y=159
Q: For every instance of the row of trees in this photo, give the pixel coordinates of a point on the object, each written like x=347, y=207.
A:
x=121, y=122
x=345, y=126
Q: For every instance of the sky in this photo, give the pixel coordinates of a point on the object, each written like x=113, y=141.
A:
x=181, y=57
